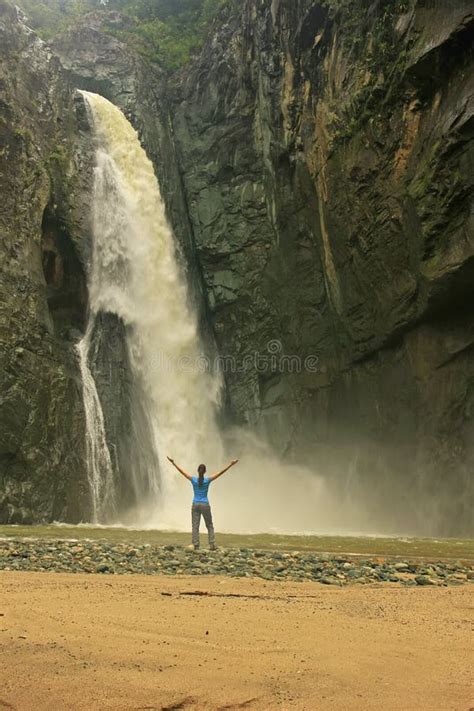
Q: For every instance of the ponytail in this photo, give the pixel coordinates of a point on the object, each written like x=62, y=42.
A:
x=201, y=472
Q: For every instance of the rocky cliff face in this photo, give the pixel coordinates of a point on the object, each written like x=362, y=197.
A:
x=317, y=167
x=327, y=165
x=42, y=285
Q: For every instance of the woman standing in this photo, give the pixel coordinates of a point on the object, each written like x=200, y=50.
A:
x=201, y=504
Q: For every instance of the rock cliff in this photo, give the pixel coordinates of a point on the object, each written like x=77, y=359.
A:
x=327, y=161
x=316, y=160
x=43, y=291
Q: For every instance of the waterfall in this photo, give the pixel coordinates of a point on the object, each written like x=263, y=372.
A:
x=134, y=274
x=135, y=278
x=99, y=464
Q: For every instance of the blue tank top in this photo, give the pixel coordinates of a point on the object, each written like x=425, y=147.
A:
x=200, y=492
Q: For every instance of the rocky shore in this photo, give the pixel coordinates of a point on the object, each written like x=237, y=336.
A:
x=122, y=558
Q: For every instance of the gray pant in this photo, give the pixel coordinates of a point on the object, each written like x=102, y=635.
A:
x=196, y=512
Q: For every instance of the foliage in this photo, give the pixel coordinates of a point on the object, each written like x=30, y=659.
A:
x=58, y=163
x=370, y=41
x=51, y=17
x=167, y=31
x=163, y=31
x=397, y=5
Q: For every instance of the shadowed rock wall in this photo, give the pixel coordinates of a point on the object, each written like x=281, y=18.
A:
x=327, y=162
x=43, y=291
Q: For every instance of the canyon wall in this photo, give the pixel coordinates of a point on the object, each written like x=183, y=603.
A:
x=43, y=289
x=317, y=167
x=327, y=161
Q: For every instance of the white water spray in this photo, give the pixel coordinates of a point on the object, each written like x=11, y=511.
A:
x=99, y=465
x=135, y=275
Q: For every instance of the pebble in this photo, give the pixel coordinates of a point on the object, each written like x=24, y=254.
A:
x=401, y=566
x=148, y=559
x=424, y=580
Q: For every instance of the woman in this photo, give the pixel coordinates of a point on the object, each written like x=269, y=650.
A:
x=201, y=502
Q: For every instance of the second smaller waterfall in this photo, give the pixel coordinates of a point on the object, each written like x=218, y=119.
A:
x=99, y=464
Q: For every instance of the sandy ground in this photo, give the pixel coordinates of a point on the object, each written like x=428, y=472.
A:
x=104, y=642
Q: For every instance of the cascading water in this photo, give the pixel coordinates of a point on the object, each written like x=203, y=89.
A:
x=135, y=275
x=135, y=278
x=99, y=464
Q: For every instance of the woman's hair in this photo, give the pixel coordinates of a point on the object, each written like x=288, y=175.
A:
x=201, y=472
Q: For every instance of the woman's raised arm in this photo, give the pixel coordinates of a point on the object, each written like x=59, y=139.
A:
x=216, y=476
x=181, y=471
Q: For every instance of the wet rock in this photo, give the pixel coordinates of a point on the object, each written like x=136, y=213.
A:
x=103, y=568
x=401, y=566
x=106, y=558
x=327, y=580
x=424, y=580
x=376, y=185
x=42, y=284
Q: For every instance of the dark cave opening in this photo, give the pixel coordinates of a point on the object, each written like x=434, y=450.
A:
x=63, y=273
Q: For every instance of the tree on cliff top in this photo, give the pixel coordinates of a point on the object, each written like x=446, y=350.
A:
x=164, y=31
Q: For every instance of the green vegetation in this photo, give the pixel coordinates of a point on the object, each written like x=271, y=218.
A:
x=409, y=548
x=60, y=158
x=371, y=41
x=397, y=5
x=165, y=32
x=438, y=189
